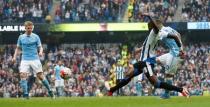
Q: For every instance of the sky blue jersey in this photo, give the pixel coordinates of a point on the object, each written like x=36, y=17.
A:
x=57, y=70
x=170, y=43
x=29, y=46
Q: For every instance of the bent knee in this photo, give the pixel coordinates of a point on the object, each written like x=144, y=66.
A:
x=40, y=75
x=23, y=75
x=154, y=81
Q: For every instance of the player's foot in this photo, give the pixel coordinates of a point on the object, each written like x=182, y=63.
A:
x=164, y=96
x=51, y=94
x=26, y=96
x=109, y=93
x=185, y=93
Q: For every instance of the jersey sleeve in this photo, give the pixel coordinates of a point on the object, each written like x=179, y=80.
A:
x=163, y=34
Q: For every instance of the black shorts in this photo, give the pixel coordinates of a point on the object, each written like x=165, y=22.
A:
x=146, y=67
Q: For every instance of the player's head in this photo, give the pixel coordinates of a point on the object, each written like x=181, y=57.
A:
x=60, y=62
x=29, y=26
x=157, y=22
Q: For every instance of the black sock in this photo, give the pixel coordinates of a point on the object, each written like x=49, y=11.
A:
x=120, y=84
x=170, y=87
x=138, y=69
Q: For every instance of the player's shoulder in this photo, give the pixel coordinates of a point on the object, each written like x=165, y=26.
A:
x=33, y=34
x=22, y=35
x=166, y=28
x=56, y=67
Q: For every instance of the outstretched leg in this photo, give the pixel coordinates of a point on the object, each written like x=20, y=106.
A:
x=158, y=84
x=45, y=83
x=134, y=70
x=166, y=93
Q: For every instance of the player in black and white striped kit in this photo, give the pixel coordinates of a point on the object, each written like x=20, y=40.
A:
x=147, y=56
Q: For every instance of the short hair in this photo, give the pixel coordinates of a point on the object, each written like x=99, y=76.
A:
x=158, y=21
x=28, y=23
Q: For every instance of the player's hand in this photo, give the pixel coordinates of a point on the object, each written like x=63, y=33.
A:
x=13, y=60
x=182, y=54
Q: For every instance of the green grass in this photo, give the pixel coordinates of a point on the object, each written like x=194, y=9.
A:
x=107, y=102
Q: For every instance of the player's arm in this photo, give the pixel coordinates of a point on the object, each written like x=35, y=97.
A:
x=176, y=38
x=40, y=50
x=179, y=43
x=39, y=46
x=17, y=49
x=15, y=54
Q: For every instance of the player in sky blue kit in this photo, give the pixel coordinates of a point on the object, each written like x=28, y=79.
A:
x=148, y=57
x=30, y=44
x=171, y=38
x=59, y=82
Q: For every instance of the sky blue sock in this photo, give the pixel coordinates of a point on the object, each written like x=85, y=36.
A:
x=46, y=84
x=169, y=81
x=24, y=86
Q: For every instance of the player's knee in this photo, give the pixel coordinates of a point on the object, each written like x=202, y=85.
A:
x=40, y=75
x=23, y=75
x=158, y=60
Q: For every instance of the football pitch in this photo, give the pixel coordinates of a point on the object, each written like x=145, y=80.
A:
x=195, y=101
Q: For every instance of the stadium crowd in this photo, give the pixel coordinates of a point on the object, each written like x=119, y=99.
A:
x=101, y=10
x=196, y=10
x=92, y=64
x=90, y=10
x=164, y=9
x=20, y=10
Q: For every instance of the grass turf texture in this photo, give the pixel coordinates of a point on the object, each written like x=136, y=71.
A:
x=195, y=101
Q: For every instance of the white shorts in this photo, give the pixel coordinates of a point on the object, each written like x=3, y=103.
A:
x=33, y=65
x=59, y=83
x=170, y=62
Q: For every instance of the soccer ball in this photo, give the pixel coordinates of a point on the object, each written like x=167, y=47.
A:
x=65, y=73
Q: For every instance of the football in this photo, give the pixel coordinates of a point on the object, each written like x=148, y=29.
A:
x=65, y=73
